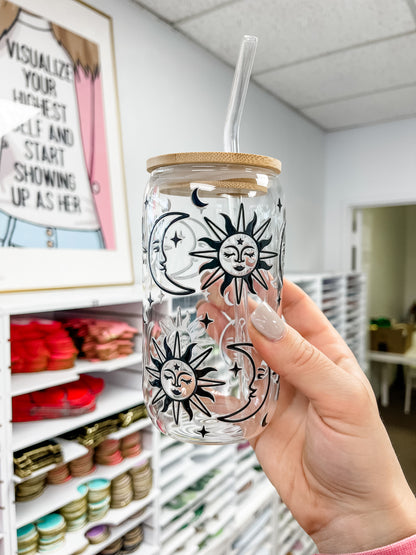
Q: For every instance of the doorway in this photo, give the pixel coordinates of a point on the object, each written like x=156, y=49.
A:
x=383, y=247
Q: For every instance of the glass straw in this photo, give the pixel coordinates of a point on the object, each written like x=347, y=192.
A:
x=238, y=93
x=231, y=144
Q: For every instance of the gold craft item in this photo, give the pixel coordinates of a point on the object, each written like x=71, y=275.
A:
x=36, y=457
x=132, y=415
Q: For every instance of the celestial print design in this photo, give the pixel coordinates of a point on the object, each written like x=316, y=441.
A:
x=190, y=331
x=156, y=255
x=206, y=320
x=203, y=431
x=179, y=378
x=282, y=255
x=237, y=254
x=252, y=405
x=196, y=200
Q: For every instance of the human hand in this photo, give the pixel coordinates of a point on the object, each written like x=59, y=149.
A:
x=326, y=450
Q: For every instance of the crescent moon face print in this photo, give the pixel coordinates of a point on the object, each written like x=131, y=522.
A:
x=183, y=241
x=252, y=406
x=237, y=254
x=157, y=257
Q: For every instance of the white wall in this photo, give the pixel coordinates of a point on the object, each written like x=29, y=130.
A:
x=173, y=98
x=384, y=260
x=371, y=166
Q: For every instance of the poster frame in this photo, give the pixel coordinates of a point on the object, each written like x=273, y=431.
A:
x=29, y=269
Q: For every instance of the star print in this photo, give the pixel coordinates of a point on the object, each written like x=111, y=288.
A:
x=176, y=239
x=146, y=202
x=279, y=205
x=203, y=431
x=236, y=369
x=206, y=320
x=176, y=366
x=240, y=241
x=150, y=300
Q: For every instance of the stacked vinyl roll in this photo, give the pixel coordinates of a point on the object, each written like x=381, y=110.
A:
x=30, y=489
x=76, y=512
x=51, y=529
x=126, y=544
x=27, y=540
x=121, y=491
x=142, y=479
x=99, y=498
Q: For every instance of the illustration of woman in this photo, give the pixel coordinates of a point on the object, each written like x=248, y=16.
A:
x=54, y=180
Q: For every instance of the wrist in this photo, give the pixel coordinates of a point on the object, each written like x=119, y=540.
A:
x=369, y=531
x=406, y=546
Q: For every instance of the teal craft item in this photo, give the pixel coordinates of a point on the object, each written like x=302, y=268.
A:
x=53, y=522
x=25, y=532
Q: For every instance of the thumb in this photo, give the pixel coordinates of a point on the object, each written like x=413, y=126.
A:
x=329, y=387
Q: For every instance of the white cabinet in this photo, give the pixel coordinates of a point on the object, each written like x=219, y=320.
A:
x=204, y=499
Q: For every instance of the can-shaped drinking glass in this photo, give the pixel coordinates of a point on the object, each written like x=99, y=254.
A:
x=213, y=248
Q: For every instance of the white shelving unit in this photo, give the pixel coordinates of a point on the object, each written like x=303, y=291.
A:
x=234, y=512
x=122, y=391
x=25, y=383
x=342, y=298
x=56, y=496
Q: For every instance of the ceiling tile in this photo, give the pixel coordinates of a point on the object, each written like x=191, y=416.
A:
x=175, y=10
x=294, y=30
x=362, y=110
x=381, y=65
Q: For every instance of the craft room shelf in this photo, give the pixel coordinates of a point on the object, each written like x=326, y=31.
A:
x=56, y=496
x=122, y=391
x=112, y=400
x=119, y=522
x=220, y=516
x=26, y=382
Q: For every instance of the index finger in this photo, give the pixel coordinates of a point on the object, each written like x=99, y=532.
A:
x=302, y=313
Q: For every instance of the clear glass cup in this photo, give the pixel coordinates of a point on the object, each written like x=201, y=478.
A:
x=213, y=247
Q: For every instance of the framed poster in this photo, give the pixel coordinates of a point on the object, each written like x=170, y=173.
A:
x=63, y=210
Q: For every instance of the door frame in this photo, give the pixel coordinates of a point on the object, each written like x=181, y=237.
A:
x=351, y=239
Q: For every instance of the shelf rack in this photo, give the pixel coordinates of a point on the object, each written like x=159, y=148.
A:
x=112, y=400
x=234, y=504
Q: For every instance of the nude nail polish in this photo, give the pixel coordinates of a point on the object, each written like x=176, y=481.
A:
x=268, y=322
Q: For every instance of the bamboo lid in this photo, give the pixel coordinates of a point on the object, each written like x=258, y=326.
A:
x=236, y=158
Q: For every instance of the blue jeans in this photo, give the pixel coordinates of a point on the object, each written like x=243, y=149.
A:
x=18, y=233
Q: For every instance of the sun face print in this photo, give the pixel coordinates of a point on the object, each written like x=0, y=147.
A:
x=179, y=377
x=237, y=254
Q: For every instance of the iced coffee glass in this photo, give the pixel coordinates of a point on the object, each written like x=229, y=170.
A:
x=213, y=247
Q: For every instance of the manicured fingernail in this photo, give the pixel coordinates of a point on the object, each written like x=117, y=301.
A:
x=199, y=303
x=267, y=322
